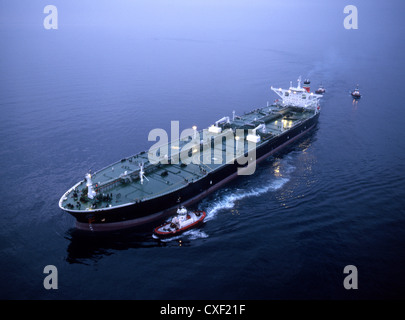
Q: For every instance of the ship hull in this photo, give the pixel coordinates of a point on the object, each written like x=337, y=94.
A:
x=144, y=212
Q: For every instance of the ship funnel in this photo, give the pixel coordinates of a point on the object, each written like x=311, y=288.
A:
x=307, y=85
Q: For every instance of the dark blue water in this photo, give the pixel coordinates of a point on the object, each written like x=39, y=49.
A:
x=87, y=94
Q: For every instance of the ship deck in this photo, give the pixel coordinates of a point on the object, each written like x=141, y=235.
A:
x=120, y=184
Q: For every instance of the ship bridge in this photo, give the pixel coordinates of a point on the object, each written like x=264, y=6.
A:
x=298, y=97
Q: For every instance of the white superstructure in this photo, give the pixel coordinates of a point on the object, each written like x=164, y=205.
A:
x=298, y=97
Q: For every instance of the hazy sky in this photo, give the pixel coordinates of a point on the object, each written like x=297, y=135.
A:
x=294, y=24
x=174, y=15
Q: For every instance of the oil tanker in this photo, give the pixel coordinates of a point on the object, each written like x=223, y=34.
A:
x=151, y=185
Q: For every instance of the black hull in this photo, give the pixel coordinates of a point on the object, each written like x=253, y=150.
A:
x=147, y=211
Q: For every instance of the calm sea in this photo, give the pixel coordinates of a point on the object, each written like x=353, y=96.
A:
x=88, y=94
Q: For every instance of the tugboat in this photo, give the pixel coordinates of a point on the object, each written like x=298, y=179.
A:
x=181, y=222
x=356, y=93
x=320, y=90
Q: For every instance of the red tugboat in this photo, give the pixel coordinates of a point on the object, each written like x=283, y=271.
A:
x=184, y=220
x=356, y=93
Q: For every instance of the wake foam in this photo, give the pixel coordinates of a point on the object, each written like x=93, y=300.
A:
x=227, y=201
x=226, y=198
x=191, y=234
x=281, y=175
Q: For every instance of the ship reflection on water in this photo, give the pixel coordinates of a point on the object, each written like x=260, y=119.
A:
x=355, y=103
x=88, y=248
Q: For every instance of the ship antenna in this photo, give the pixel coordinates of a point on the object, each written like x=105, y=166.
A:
x=142, y=173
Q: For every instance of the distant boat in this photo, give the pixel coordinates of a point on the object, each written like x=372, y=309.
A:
x=356, y=93
x=320, y=90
